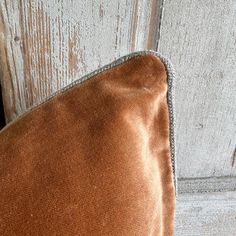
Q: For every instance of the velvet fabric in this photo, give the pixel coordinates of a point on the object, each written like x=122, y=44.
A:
x=93, y=160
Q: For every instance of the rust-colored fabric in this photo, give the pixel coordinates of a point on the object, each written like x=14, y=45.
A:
x=94, y=160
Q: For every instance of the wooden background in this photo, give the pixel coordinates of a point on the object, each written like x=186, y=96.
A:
x=47, y=44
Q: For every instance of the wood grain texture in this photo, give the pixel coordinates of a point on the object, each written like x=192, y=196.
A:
x=212, y=214
x=199, y=38
x=47, y=44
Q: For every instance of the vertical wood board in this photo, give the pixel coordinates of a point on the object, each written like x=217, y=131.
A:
x=200, y=39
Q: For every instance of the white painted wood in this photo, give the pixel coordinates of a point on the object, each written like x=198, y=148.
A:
x=212, y=214
x=199, y=38
x=46, y=44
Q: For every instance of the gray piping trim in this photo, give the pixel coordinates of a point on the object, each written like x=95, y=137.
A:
x=170, y=95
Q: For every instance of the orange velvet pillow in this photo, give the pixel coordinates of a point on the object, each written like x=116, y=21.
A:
x=96, y=158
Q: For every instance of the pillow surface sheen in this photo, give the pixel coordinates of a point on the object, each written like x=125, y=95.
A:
x=96, y=158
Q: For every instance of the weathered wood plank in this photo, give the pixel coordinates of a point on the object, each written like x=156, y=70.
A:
x=212, y=214
x=199, y=38
x=46, y=44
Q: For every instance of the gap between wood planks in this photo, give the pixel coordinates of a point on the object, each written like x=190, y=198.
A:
x=207, y=185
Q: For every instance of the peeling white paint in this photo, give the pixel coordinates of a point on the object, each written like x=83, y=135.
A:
x=63, y=40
